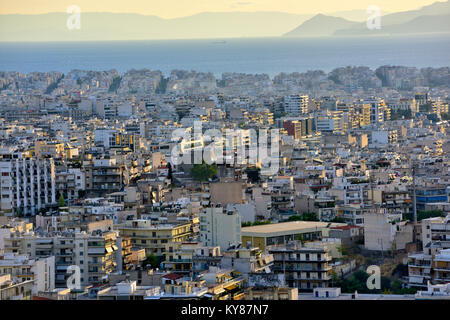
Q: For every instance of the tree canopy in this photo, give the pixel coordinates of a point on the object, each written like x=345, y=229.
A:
x=203, y=172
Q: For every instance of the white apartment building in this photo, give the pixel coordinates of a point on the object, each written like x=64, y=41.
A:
x=22, y=268
x=296, y=105
x=26, y=184
x=436, y=229
x=385, y=232
x=404, y=104
x=93, y=253
x=330, y=121
x=219, y=227
x=377, y=108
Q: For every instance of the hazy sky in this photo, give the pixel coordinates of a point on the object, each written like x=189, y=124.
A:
x=179, y=8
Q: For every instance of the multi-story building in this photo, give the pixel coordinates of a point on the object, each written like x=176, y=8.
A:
x=219, y=227
x=154, y=237
x=436, y=230
x=282, y=233
x=352, y=214
x=430, y=194
x=27, y=184
x=205, y=257
x=178, y=256
x=304, y=268
x=124, y=254
x=377, y=110
x=296, y=105
x=430, y=266
x=247, y=260
x=104, y=176
x=364, y=113
x=15, y=290
x=21, y=268
x=92, y=253
x=393, y=200
x=69, y=182
x=330, y=122
x=386, y=232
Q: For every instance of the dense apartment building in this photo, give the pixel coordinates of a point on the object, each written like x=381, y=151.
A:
x=393, y=200
x=15, y=290
x=93, y=253
x=386, y=232
x=219, y=227
x=27, y=184
x=267, y=235
x=428, y=195
x=104, y=176
x=247, y=260
x=154, y=237
x=22, y=268
x=304, y=268
x=436, y=230
x=298, y=127
x=432, y=265
x=69, y=183
x=296, y=105
x=377, y=110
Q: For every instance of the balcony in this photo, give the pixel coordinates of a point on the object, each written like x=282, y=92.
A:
x=97, y=251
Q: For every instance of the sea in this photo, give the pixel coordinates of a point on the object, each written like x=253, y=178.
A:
x=244, y=55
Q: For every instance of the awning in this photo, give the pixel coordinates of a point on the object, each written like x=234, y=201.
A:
x=230, y=286
x=219, y=291
x=109, y=249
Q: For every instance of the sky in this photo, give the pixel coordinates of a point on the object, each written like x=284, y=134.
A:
x=180, y=8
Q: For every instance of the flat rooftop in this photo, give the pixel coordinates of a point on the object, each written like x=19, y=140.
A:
x=287, y=228
x=361, y=296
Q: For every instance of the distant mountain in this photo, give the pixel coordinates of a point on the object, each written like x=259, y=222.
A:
x=402, y=22
x=353, y=15
x=419, y=25
x=118, y=26
x=320, y=26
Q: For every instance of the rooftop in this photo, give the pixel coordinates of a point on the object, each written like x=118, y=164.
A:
x=288, y=227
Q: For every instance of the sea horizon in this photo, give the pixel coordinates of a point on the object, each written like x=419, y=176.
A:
x=257, y=55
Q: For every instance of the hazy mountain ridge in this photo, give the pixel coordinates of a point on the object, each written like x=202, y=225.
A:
x=418, y=25
x=101, y=26
x=117, y=26
x=434, y=18
x=402, y=22
x=319, y=26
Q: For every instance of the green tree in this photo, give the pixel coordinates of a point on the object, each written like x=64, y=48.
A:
x=203, y=172
x=300, y=238
x=151, y=260
x=61, y=202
